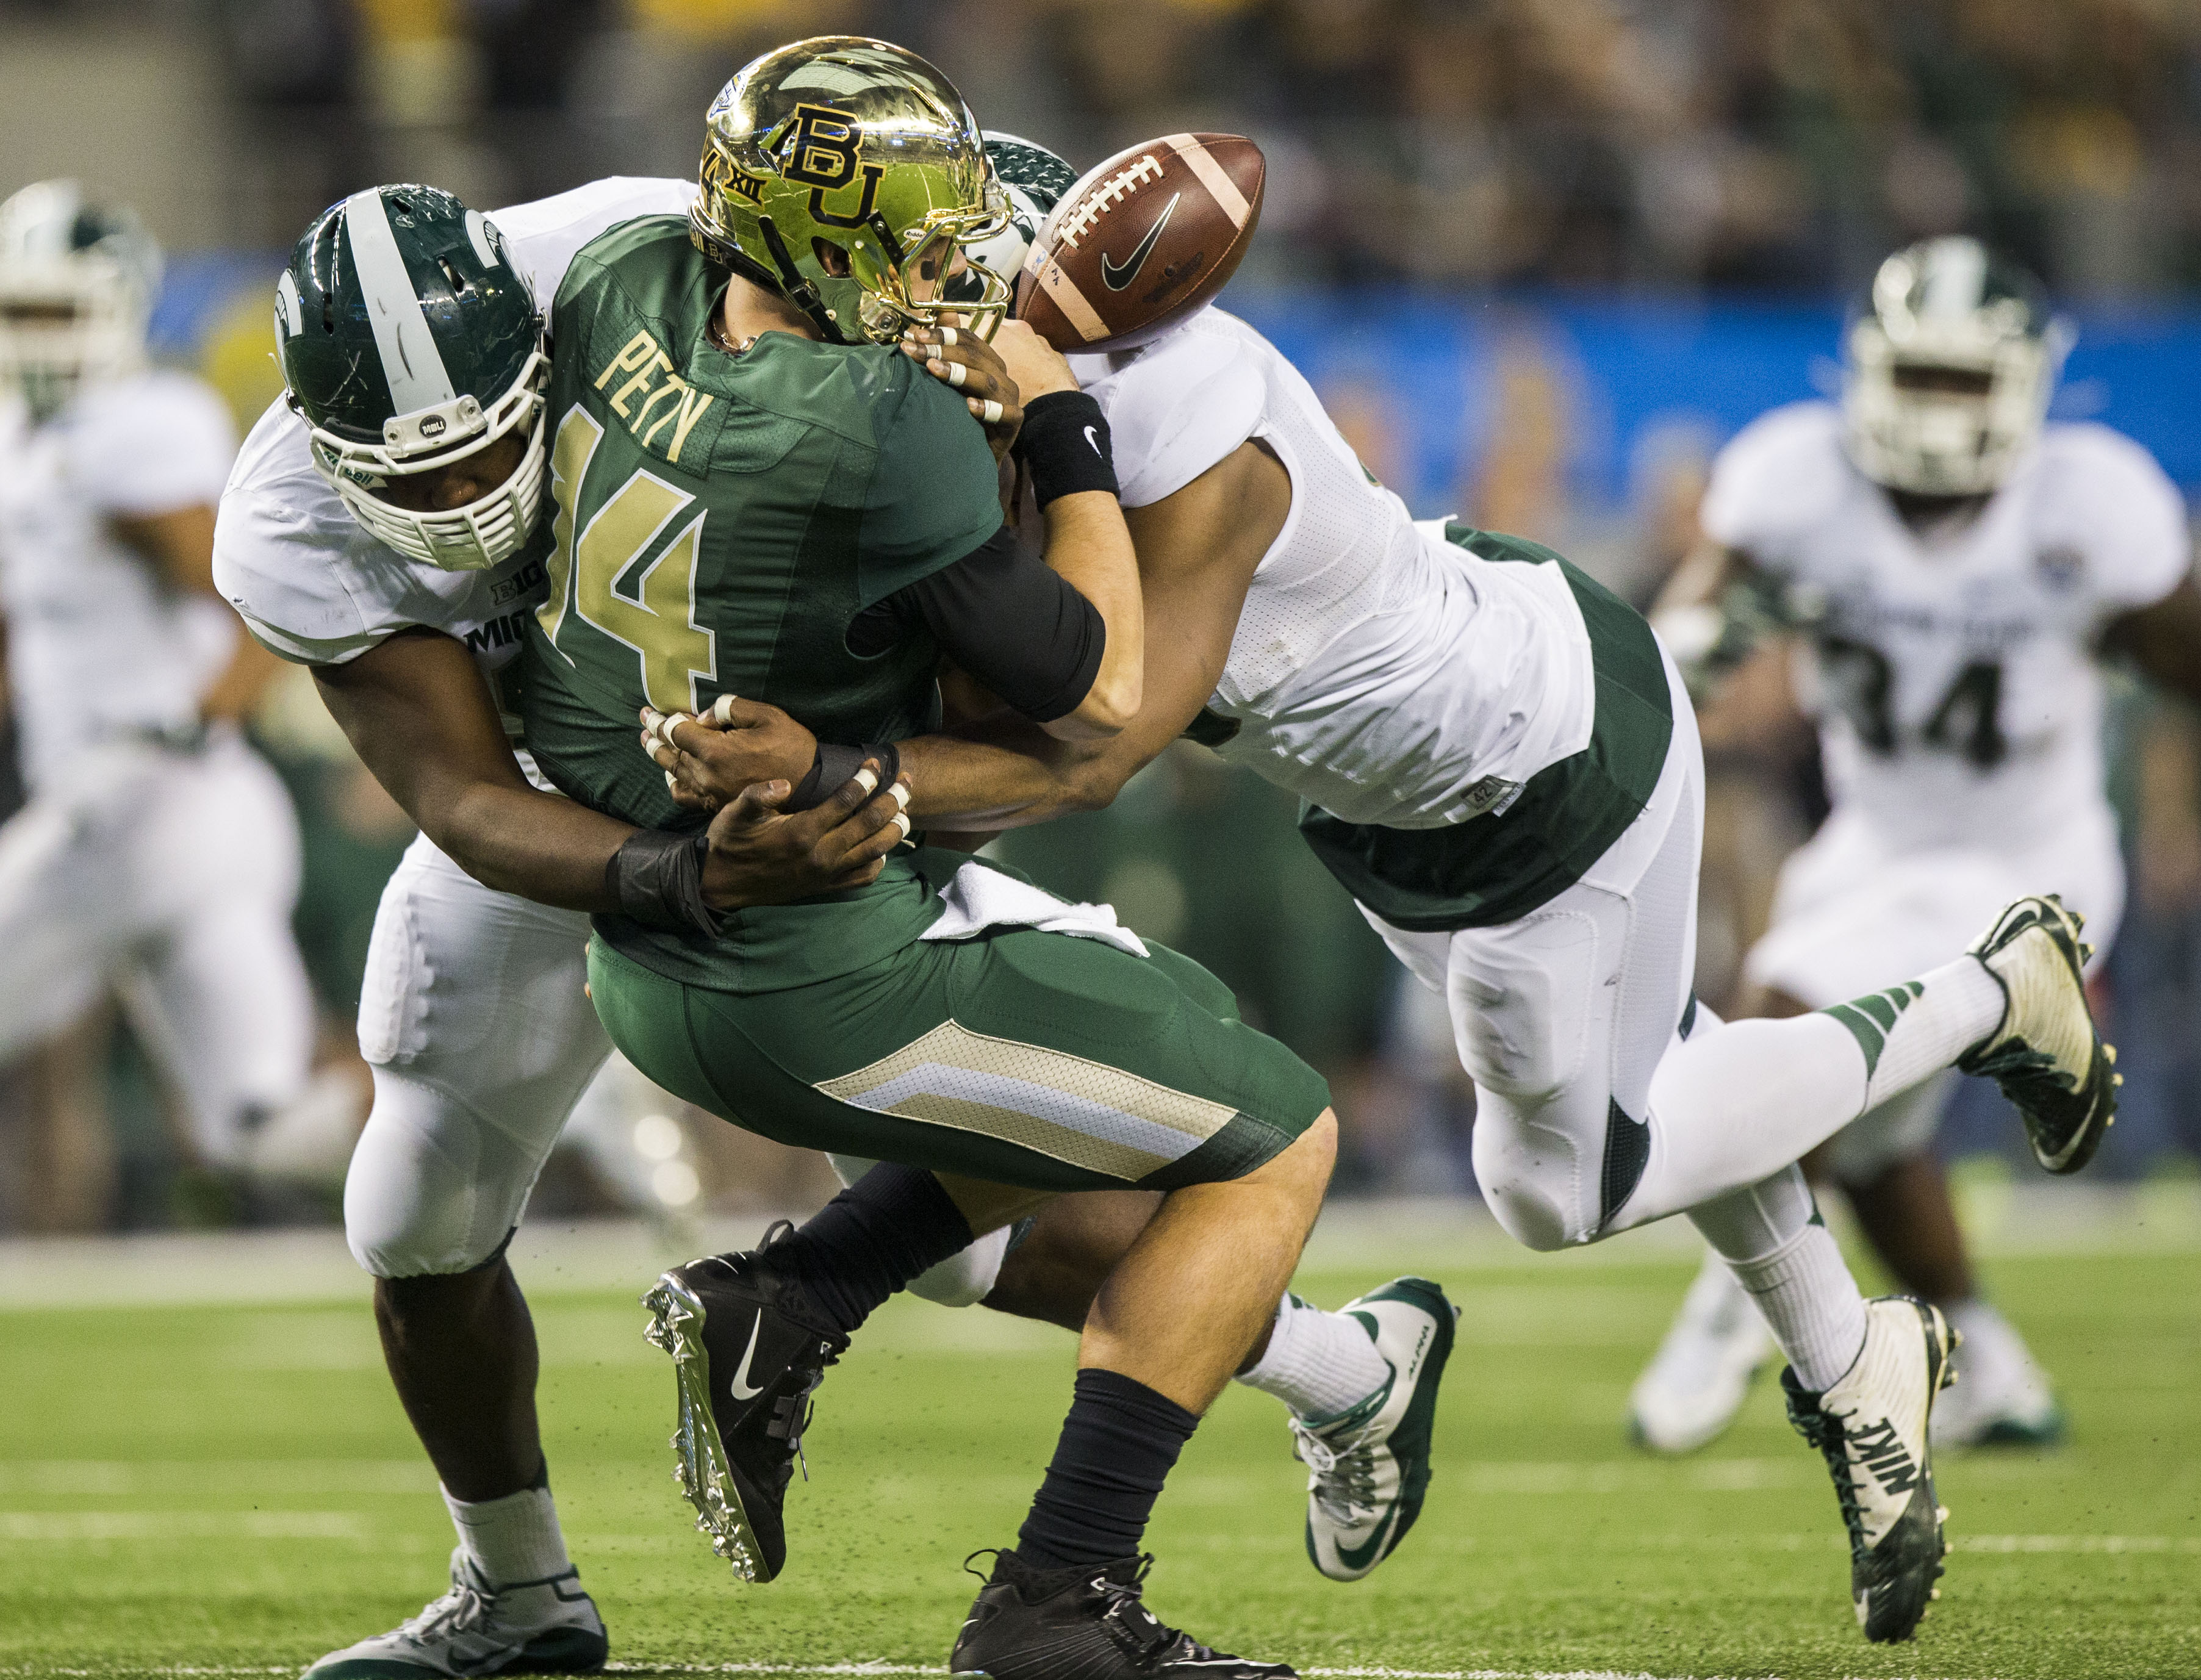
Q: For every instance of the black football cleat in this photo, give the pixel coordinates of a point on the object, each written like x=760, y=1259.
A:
x=1084, y=1623
x=747, y=1349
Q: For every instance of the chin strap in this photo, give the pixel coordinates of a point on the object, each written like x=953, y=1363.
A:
x=801, y=292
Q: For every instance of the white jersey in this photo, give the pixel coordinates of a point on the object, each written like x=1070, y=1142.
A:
x=1377, y=671
x=1964, y=700
x=317, y=589
x=100, y=646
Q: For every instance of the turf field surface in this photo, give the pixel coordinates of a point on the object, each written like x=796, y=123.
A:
x=231, y=1489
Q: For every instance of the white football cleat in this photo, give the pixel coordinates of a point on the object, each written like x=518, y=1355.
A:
x=1369, y=1465
x=2046, y=1056
x=1872, y=1428
x=2002, y=1397
x=531, y=1627
x=1701, y=1374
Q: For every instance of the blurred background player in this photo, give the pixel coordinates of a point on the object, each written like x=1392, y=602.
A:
x=1956, y=570
x=158, y=854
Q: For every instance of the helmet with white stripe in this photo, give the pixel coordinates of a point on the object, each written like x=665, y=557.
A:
x=410, y=344
x=77, y=282
x=1950, y=368
x=1035, y=179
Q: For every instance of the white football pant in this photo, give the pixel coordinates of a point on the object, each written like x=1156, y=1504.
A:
x=1570, y=1022
x=169, y=877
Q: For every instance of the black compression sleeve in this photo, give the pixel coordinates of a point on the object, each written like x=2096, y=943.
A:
x=1008, y=619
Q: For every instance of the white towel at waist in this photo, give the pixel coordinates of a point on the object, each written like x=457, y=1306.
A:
x=979, y=896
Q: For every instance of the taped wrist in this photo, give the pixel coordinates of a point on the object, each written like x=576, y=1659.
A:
x=1064, y=443
x=656, y=878
x=834, y=766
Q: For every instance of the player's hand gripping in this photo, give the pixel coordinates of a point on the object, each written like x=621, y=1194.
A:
x=708, y=761
x=957, y=356
x=760, y=856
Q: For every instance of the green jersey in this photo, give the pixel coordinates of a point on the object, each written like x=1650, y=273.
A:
x=720, y=520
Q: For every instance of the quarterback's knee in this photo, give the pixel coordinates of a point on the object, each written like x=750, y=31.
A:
x=967, y=1278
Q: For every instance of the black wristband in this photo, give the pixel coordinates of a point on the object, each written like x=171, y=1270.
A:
x=656, y=878
x=836, y=766
x=1065, y=442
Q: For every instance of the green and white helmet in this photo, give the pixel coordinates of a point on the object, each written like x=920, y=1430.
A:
x=408, y=342
x=77, y=284
x=1035, y=179
x=1950, y=368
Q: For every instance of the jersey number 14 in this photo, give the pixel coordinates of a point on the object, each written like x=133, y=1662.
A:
x=1967, y=718
x=654, y=614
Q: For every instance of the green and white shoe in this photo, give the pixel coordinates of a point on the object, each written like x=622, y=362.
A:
x=1369, y=1465
x=531, y=1627
x=2046, y=1056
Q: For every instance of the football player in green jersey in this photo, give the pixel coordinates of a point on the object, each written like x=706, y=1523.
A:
x=757, y=493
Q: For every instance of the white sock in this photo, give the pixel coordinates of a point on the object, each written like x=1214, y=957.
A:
x=1317, y=1363
x=1811, y=1302
x=1913, y=1030
x=1731, y=1107
x=512, y=1540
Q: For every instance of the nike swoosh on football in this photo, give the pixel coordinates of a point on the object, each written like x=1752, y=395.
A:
x=1116, y=279
x=739, y=1388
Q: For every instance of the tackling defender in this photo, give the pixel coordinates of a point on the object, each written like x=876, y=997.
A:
x=159, y=853
x=381, y=529
x=1956, y=569
x=1502, y=766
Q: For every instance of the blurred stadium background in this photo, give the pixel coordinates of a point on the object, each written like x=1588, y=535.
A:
x=1540, y=256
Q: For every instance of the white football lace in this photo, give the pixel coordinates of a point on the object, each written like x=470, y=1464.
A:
x=1344, y=1479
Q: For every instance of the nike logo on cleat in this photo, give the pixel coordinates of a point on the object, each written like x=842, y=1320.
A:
x=1879, y=1451
x=739, y=1388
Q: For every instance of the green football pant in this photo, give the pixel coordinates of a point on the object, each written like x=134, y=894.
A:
x=1036, y=1060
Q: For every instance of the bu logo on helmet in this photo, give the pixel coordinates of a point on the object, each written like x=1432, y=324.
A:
x=822, y=150
x=821, y=154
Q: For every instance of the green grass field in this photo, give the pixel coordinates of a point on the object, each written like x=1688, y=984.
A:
x=234, y=1490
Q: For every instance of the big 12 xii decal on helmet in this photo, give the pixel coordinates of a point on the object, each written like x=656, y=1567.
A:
x=1950, y=368
x=410, y=344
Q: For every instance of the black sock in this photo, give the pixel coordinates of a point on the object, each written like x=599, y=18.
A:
x=890, y=1225
x=1118, y=1446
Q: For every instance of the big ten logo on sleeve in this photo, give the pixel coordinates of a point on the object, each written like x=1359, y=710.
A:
x=652, y=397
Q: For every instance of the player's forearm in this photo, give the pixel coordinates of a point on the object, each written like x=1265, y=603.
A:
x=1089, y=547
x=522, y=841
x=1002, y=773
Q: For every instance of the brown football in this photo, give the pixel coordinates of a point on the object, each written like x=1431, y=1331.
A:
x=1142, y=241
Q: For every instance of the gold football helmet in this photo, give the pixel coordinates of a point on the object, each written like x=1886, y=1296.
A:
x=848, y=174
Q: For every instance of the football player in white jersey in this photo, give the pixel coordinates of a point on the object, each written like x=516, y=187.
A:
x=1957, y=569
x=396, y=559
x=158, y=854
x=1502, y=766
